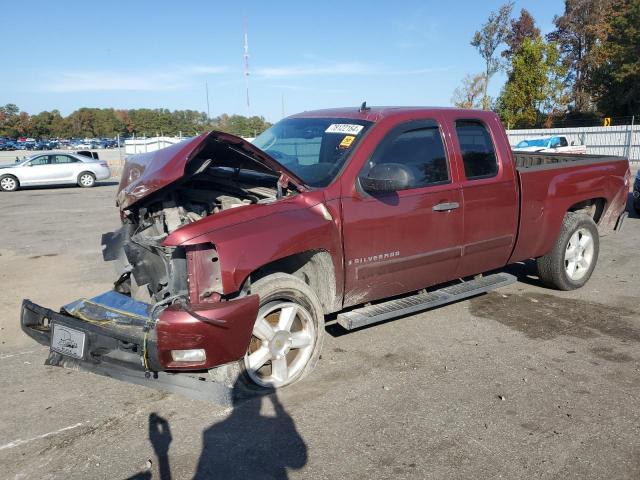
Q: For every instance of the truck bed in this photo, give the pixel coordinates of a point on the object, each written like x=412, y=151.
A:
x=546, y=194
x=526, y=161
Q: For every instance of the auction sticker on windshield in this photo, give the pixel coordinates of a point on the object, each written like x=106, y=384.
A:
x=347, y=141
x=347, y=128
x=67, y=341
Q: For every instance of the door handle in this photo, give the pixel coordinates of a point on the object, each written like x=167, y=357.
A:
x=445, y=207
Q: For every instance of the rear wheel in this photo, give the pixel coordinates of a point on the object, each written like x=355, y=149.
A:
x=86, y=179
x=574, y=256
x=287, y=335
x=9, y=183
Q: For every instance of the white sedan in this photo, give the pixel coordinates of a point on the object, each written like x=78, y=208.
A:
x=53, y=169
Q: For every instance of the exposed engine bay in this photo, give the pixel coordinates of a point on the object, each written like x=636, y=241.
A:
x=158, y=275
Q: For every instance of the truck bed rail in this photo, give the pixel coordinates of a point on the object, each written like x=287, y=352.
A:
x=541, y=161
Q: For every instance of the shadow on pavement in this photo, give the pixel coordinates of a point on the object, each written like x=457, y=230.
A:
x=526, y=271
x=244, y=445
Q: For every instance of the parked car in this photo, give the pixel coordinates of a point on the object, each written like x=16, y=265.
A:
x=555, y=144
x=231, y=253
x=53, y=169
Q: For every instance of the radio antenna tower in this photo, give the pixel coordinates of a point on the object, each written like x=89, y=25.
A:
x=246, y=64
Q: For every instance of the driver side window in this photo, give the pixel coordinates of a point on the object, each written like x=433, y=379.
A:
x=42, y=160
x=419, y=151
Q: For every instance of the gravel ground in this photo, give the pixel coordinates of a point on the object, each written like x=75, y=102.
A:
x=525, y=382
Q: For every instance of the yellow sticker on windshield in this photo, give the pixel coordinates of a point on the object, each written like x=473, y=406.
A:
x=347, y=141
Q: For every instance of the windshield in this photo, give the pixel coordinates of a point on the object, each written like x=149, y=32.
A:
x=315, y=149
x=538, y=142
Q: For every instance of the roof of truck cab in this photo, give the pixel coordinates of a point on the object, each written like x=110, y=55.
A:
x=375, y=114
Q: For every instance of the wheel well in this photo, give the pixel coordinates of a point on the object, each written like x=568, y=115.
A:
x=594, y=207
x=315, y=268
x=86, y=171
x=12, y=176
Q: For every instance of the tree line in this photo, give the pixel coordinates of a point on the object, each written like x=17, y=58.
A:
x=109, y=122
x=587, y=68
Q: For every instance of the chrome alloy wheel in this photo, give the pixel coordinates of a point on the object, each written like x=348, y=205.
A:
x=86, y=180
x=283, y=340
x=579, y=254
x=8, y=183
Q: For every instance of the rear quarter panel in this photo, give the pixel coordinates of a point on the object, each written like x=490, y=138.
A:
x=546, y=194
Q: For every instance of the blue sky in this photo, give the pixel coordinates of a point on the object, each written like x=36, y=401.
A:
x=134, y=54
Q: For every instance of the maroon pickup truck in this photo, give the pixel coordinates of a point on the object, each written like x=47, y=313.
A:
x=233, y=253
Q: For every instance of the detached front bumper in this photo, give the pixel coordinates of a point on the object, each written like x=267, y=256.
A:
x=134, y=346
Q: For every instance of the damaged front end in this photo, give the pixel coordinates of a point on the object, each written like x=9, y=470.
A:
x=118, y=337
x=167, y=312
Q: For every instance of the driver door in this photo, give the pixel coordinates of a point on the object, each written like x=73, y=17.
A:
x=37, y=171
x=398, y=242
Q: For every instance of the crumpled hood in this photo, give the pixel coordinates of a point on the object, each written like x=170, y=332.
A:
x=146, y=173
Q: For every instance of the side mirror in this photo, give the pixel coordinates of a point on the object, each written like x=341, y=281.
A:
x=387, y=177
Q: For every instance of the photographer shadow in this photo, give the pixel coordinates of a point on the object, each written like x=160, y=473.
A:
x=245, y=445
x=251, y=445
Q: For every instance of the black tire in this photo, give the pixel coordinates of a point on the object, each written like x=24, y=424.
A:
x=83, y=180
x=6, y=185
x=273, y=290
x=636, y=206
x=552, y=267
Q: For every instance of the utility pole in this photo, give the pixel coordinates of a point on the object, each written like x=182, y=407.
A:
x=206, y=87
x=246, y=65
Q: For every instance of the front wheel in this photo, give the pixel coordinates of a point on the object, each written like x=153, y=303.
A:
x=288, y=332
x=9, y=183
x=574, y=256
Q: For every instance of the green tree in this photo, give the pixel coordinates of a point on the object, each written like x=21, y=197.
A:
x=9, y=117
x=107, y=122
x=534, y=86
x=579, y=30
x=616, y=80
x=487, y=40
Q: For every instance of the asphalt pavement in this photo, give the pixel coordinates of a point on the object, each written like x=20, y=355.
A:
x=525, y=382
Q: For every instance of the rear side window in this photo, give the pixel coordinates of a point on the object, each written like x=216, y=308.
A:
x=421, y=151
x=64, y=159
x=478, y=154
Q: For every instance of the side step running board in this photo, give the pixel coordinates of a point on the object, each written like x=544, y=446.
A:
x=422, y=301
